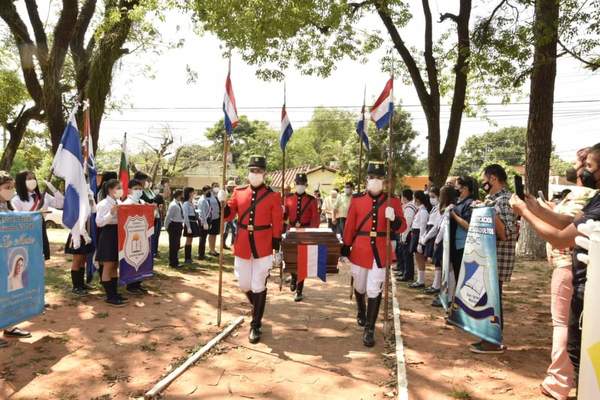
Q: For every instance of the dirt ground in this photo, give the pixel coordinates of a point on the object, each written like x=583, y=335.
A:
x=440, y=365
x=84, y=349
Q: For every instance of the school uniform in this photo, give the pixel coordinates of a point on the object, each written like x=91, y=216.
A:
x=427, y=237
x=35, y=202
x=406, y=262
x=203, y=213
x=174, y=223
x=214, y=215
x=192, y=229
x=108, y=240
x=419, y=225
x=149, y=197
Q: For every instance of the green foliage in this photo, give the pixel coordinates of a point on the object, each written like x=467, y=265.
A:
x=12, y=94
x=33, y=154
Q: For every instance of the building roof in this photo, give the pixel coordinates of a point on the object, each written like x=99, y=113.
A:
x=290, y=174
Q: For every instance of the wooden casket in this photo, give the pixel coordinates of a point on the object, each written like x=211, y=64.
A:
x=310, y=236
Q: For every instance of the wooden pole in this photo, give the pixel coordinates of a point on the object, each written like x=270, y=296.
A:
x=167, y=380
x=282, y=205
x=388, y=245
x=222, y=224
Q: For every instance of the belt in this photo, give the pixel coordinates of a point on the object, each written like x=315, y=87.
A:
x=371, y=234
x=252, y=228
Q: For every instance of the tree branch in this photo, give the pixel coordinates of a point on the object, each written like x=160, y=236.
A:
x=62, y=36
x=38, y=30
x=592, y=65
x=432, y=72
x=446, y=16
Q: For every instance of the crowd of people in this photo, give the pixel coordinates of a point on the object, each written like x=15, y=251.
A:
x=255, y=220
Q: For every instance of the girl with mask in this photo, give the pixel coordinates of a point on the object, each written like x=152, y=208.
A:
x=427, y=238
x=29, y=198
x=460, y=217
x=419, y=227
x=108, y=241
x=190, y=221
x=7, y=192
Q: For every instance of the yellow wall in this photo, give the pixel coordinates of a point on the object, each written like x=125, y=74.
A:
x=324, y=177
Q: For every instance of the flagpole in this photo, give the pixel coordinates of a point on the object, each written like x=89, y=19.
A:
x=388, y=245
x=282, y=188
x=360, y=141
x=222, y=217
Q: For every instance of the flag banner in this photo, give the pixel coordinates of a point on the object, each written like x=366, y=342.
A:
x=382, y=110
x=286, y=131
x=136, y=227
x=312, y=261
x=448, y=280
x=361, y=129
x=476, y=307
x=589, y=369
x=21, y=267
x=229, y=108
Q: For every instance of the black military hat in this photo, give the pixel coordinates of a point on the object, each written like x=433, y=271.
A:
x=301, y=179
x=376, y=168
x=257, y=162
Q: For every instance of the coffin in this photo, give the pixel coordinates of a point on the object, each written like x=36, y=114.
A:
x=308, y=236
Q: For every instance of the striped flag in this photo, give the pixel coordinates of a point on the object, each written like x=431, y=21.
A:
x=382, y=110
x=286, y=129
x=312, y=261
x=361, y=129
x=229, y=107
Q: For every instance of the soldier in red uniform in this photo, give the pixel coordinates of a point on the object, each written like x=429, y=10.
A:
x=260, y=224
x=301, y=211
x=365, y=245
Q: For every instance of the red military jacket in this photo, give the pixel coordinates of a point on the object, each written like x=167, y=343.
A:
x=259, y=227
x=305, y=206
x=365, y=229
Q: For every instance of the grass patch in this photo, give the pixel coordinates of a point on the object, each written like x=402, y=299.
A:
x=149, y=347
x=102, y=315
x=460, y=394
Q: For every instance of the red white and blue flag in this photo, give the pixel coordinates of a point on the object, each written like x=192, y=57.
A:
x=361, y=129
x=229, y=107
x=382, y=110
x=286, y=129
x=312, y=261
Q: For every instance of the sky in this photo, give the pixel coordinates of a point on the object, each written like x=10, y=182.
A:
x=188, y=109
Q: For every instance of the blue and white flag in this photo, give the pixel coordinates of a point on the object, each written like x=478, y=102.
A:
x=286, y=129
x=68, y=165
x=361, y=128
x=383, y=109
x=21, y=267
x=476, y=307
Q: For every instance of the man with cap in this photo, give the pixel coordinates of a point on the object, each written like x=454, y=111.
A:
x=301, y=211
x=230, y=226
x=260, y=224
x=365, y=245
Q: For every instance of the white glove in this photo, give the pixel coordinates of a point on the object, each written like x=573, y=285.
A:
x=420, y=248
x=205, y=226
x=222, y=195
x=278, y=258
x=344, y=260
x=390, y=213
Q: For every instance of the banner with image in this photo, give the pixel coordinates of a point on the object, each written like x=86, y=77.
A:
x=136, y=227
x=476, y=307
x=21, y=267
x=448, y=280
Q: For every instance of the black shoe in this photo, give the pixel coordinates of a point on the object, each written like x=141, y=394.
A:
x=361, y=315
x=294, y=283
x=436, y=302
x=77, y=291
x=17, y=333
x=214, y=254
x=299, y=297
x=254, y=335
x=115, y=287
x=416, y=285
x=135, y=291
x=372, y=312
x=227, y=247
x=431, y=290
x=187, y=254
x=405, y=279
x=115, y=302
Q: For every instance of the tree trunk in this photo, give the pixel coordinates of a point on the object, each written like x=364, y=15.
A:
x=539, y=127
x=16, y=130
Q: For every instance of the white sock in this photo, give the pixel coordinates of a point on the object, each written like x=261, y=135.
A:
x=437, y=279
x=421, y=277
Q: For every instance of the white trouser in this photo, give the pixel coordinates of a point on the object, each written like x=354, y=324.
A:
x=368, y=280
x=252, y=274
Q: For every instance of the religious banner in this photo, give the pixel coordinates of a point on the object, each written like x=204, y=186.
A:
x=21, y=267
x=448, y=279
x=476, y=307
x=136, y=227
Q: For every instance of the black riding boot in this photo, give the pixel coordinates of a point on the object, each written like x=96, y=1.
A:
x=361, y=306
x=293, y=282
x=188, y=254
x=299, y=288
x=250, y=297
x=372, y=312
x=75, y=279
x=258, y=310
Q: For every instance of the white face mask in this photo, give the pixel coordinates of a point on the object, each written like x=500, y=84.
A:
x=31, y=184
x=7, y=194
x=300, y=189
x=136, y=195
x=118, y=193
x=375, y=186
x=348, y=191
x=434, y=201
x=255, y=179
x=146, y=185
x=216, y=190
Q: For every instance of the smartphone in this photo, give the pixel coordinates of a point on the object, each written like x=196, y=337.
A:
x=541, y=196
x=519, y=190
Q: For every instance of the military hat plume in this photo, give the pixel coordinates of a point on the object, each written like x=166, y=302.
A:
x=257, y=161
x=301, y=178
x=376, y=168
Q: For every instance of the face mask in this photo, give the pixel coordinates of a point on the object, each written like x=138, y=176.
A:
x=434, y=201
x=215, y=190
x=136, y=195
x=31, y=184
x=333, y=195
x=375, y=186
x=118, y=193
x=7, y=194
x=146, y=185
x=348, y=191
x=571, y=175
x=300, y=189
x=255, y=179
x=486, y=187
x=588, y=179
